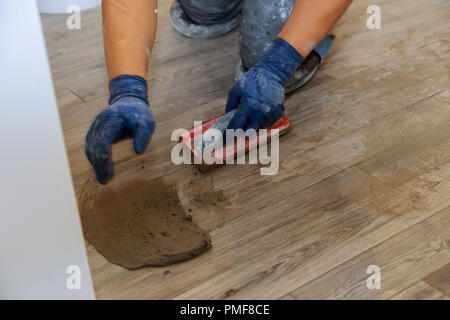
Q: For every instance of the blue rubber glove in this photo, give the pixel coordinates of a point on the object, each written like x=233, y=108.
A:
x=128, y=114
x=259, y=93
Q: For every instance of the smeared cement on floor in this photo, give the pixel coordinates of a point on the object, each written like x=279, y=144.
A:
x=140, y=225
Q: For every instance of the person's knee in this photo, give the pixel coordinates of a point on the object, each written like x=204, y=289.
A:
x=262, y=21
x=208, y=12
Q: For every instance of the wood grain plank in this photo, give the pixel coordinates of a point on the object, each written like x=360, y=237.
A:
x=287, y=297
x=320, y=241
x=440, y=279
x=403, y=260
x=420, y=291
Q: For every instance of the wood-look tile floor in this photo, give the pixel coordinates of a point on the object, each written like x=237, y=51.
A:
x=364, y=176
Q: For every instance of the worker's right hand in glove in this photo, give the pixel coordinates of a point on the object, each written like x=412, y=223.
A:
x=128, y=114
x=259, y=93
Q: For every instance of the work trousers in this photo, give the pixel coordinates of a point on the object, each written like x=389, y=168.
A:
x=261, y=21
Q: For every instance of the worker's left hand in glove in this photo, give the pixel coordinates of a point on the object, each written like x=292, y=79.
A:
x=128, y=115
x=259, y=93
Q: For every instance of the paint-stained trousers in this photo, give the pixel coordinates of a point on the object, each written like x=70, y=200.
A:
x=261, y=21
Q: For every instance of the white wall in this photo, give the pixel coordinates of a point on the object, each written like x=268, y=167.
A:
x=40, y=234
x=60, y=6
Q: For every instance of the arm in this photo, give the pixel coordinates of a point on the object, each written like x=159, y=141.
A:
x=259, y=93
x=310, y=21
x=129, y=31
